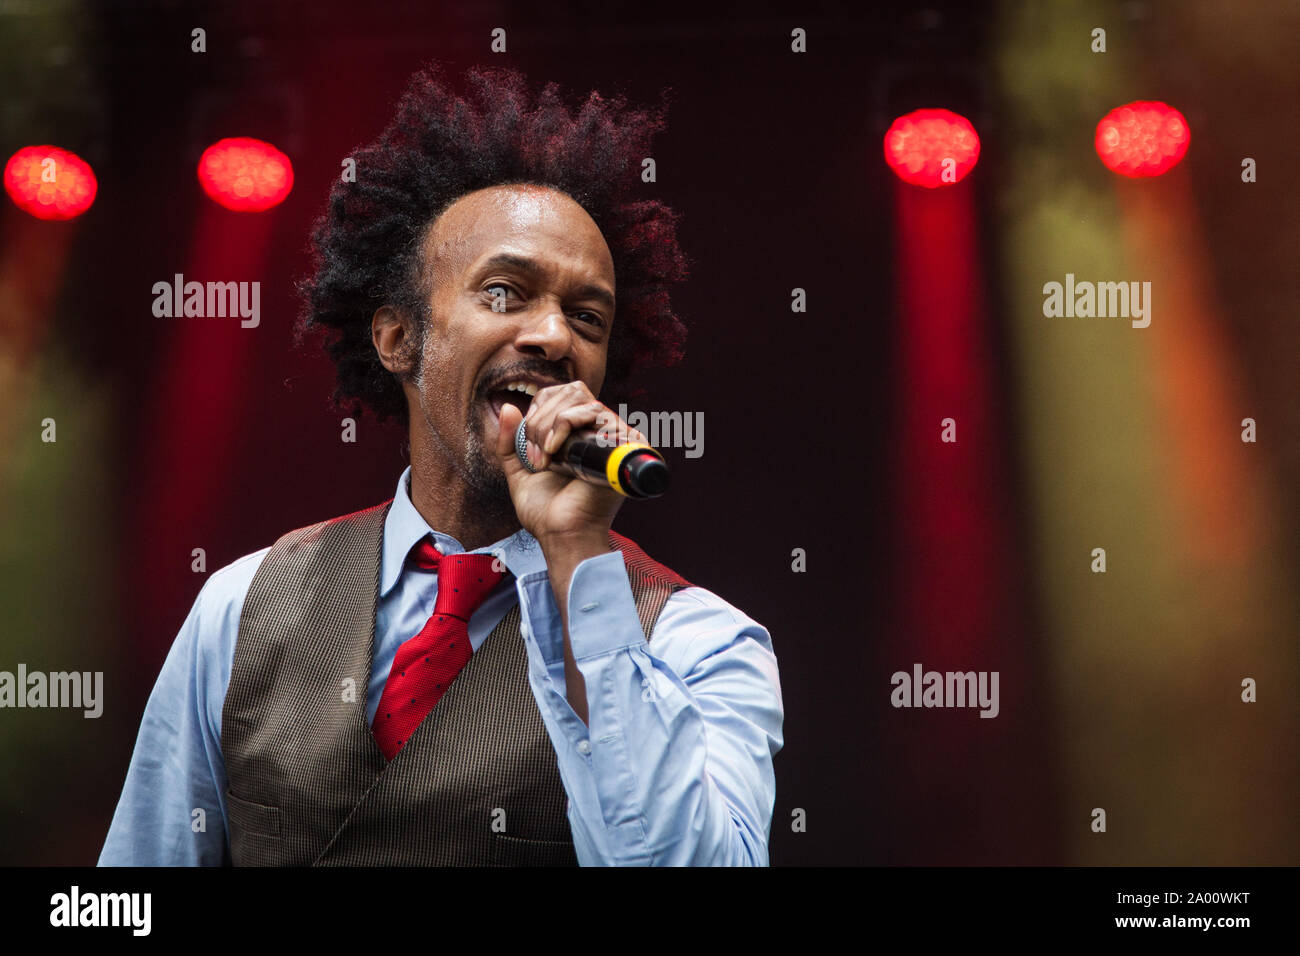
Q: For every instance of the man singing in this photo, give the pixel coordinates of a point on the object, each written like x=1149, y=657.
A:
x=479, y=671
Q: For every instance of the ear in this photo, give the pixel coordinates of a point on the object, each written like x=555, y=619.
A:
x=393, y=334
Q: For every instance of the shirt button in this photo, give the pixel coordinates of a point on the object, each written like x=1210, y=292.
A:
x=584, y=747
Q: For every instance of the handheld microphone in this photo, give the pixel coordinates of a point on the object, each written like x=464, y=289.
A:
x=633, y=469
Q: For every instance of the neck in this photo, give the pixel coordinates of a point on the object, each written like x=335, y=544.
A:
x=473, y=515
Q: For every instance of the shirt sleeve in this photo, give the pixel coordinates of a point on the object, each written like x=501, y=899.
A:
x=172, y=811
x=674, y=767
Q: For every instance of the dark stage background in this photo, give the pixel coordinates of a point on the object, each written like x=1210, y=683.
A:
x=1118, y=690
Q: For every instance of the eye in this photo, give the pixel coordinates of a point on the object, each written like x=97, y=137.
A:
x=492, y=297
x=592, y=318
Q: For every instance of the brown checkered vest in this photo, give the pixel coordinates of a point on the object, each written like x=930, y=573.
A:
x=476, y=784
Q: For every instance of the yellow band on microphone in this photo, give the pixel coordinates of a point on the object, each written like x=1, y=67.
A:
x=615, y=461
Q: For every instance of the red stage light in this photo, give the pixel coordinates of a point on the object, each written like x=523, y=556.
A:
x=1145, y=138
x=932, y=147
x=244, y=174
x=50, y=183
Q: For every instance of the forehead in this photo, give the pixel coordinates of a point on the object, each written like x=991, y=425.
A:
x=531, y=221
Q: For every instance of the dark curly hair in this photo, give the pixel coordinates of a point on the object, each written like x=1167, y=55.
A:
x=439, y=147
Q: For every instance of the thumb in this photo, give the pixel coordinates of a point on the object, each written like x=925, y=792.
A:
x=511, y=416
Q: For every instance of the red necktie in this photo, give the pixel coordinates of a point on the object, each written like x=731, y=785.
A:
x=426, y=665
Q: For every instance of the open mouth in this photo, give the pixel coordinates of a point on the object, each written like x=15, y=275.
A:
x=518, y=394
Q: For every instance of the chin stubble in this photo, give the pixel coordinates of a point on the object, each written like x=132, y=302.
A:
x=489, y=488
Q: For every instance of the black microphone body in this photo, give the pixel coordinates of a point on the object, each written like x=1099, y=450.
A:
x=633, y=469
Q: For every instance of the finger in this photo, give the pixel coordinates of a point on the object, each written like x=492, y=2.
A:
x=570, y=420
x=609, y=428
x=549, y=402
x=612, y=430
x=506, y=444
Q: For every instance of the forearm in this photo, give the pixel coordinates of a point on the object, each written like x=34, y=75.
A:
x=562, y=558
x=170, y=812
x=673, y=762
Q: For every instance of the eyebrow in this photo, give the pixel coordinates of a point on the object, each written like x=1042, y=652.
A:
x=508, y=260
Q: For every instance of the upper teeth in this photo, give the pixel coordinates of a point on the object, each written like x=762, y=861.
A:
x=526, y=387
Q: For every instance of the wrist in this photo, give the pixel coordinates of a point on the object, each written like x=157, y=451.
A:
x=574, y=545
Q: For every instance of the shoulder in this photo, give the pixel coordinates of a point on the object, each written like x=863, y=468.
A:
x=710, y=614
x=222, y=596
x=690, y=607
x=202, y=655
x=698, y=630
x=309, y=550
x=220, y=601
x=226, y=588
x=640, y=563
x=215, y=617
x=368, y=521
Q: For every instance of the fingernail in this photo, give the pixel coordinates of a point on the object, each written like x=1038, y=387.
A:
x=550, y=441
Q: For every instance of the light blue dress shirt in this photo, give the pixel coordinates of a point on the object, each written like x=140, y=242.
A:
x=674, y=768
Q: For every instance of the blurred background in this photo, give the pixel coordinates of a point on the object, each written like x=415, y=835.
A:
x=1118, y=690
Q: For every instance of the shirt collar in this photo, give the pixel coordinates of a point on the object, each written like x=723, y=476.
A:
x=404, y=526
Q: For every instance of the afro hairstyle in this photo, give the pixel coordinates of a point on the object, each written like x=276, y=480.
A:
x=366, y=246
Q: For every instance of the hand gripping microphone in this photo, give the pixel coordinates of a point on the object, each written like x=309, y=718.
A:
x=633, y=469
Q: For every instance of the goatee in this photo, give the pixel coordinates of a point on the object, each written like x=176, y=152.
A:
x=489, y=493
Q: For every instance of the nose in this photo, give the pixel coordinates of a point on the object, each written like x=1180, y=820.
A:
x=545, y=331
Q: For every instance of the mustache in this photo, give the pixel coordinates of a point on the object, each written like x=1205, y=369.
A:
x=547, y=370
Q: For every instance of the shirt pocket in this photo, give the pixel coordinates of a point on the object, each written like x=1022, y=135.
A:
x=252, y=819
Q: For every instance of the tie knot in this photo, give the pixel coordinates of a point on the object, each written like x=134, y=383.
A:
x=425, y=556
x=464, y=581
